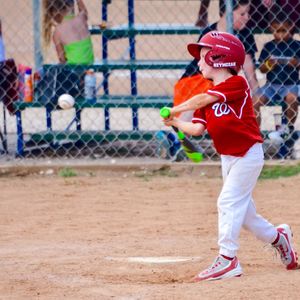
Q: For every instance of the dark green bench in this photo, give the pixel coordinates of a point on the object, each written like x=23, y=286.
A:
x=106, y=102
x=125, y=31
x=132, y=65
x=89, y=136
x=117, y=101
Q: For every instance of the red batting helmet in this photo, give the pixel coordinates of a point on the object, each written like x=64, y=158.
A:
x=226, y=50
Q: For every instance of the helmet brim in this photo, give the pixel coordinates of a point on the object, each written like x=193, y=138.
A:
x=194, y=49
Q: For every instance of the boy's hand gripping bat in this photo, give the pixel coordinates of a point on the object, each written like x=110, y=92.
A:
x=191, y=151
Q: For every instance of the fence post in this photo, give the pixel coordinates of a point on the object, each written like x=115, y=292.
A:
x=36, y=12
x=104, y=57
x=229, y=16
x=135, y=122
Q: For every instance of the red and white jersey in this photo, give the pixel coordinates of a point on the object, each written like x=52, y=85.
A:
x=230, y=121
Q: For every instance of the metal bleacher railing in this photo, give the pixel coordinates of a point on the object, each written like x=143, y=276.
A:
x=107, y=101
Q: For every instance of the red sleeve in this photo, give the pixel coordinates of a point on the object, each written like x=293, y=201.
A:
x=232, y=89
x=199, y=117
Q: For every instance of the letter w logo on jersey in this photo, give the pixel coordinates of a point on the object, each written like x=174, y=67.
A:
x=221, y=109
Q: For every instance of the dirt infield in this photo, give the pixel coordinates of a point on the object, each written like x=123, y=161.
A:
x=106, y=235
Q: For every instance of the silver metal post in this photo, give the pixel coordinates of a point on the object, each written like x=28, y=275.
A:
x=229, y=16
x=36, y=12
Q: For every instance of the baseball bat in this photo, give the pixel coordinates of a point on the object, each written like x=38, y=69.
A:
x=191, y=151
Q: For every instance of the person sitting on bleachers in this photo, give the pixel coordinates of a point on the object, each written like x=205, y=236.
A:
x=280, y=61
x=73, y=46
x=71, y=36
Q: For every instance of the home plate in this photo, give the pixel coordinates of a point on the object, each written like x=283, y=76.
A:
x=154, y=259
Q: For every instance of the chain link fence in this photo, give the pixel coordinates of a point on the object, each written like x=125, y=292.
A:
x=137, y=50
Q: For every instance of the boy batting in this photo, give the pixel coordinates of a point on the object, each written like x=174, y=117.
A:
x=226, y=112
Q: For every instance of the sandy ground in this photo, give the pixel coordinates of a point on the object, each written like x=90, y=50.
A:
x=84, y=237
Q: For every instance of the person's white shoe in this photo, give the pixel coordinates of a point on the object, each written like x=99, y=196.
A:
x=284, y=246
x=221, y=268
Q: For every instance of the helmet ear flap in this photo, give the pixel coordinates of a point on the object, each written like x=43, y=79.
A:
x=208, y=57
x=214, y=56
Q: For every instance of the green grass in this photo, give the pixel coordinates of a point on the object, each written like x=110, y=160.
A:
x=274, y=172
x=67, y=172
x=163, y=171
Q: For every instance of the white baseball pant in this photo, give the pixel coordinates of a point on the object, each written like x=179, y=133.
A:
x=235, y=204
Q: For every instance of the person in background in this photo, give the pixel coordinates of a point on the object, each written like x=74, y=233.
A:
x=73, y=44
x=71, y=36
x=259, y=12
x=8, y=88
x=2, y=47
x=8, y=77
x=2, y=59
x=280, y=61
x=262, y=11
x=226, y=111
x=202, y=14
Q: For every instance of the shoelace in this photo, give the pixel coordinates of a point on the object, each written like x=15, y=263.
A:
x=282, y=252
x=212, y=267
x=270, y=248
x=215, y=264
x=276, y=250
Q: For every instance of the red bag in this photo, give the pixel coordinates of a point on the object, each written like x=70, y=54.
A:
x=8, y=84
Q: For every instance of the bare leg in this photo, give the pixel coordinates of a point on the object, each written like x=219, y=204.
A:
x=291, y=113
x=258, y=101
x=292, y=108
x=202, y=15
